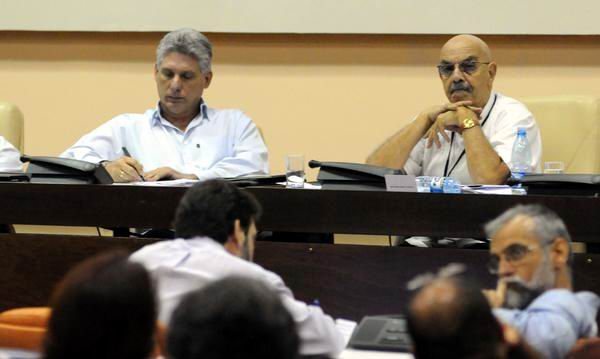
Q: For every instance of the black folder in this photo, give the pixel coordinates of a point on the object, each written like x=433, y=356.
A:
x=14, y=177
x=352, y=176
x=560, y=184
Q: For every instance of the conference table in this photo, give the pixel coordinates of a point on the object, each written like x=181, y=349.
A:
x=349, y=281
x=290, y=210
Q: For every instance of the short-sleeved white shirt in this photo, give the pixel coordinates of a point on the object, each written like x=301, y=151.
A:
x=503, y=116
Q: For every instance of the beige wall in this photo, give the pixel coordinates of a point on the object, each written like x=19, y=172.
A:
x=330, y=97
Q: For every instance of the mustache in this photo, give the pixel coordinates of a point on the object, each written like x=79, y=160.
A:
x=460, y=86
x=519, y=294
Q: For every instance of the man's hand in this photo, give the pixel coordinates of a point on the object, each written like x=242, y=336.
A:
x=449, y=120
x=496, y=297
x=166, y=173
x=432, y=113
x=125, y=169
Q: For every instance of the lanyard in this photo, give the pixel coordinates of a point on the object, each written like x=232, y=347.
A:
x=446, y=172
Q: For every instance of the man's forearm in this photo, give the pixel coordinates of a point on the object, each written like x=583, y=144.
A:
x=485, y=165
x=395, y=151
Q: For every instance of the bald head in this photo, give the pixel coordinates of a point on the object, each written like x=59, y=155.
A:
x=470, y=43
x=445, y=316
x=467, y=70
x=436, y=303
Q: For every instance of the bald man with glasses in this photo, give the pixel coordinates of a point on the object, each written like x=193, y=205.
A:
x=531, y=255
x=469, y=138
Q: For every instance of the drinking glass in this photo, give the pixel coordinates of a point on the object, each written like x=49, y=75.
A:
x=294, y=171
x=555, y=167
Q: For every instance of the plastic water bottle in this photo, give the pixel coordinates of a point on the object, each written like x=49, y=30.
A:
x=423, y=184
x=521, y=155
x=438, y=184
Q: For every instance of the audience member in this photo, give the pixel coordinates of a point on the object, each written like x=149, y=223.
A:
x=216, y=226
x=531, y=254
x=450, y=318
x=103, y=309
x=232, y=318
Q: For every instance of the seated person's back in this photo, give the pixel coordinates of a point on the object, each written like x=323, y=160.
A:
x=215, y=223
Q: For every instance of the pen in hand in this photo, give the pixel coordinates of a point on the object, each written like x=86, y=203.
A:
x=126, y=153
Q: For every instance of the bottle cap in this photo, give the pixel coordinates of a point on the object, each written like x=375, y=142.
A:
x=522, y=131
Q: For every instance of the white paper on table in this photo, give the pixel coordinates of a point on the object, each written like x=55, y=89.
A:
x=306, y=185
x=169, y=183
x=371, y=354
x=487, y=189
x=346, y=327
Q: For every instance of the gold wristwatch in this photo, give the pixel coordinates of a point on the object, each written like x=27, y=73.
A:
x=468, y=123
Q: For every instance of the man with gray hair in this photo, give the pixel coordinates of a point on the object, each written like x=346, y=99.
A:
x=531, y=254
x=182, y=138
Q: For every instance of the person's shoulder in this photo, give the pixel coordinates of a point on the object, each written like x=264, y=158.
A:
x=246, y=268
x=130, y=117
x=511, y=103
x=3, y=142
x=152, y=253
x=564, y=299
x=232, y=115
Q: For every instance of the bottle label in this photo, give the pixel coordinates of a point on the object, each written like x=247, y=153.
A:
x=437, y=184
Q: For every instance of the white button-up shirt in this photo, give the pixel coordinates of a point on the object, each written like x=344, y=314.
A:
x=504, y=116
x=216, y=143
x=182, y=266
x=9, y=157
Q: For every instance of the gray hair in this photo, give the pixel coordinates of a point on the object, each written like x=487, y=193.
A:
x=187, y=42
x=547, y=225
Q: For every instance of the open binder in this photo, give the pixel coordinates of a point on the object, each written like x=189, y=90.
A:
x=43, y=169
x=352, y=176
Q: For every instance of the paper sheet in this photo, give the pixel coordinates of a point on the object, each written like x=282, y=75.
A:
x=487, y=189
x=169, y=183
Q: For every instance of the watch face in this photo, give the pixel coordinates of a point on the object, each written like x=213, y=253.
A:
x=468, y=123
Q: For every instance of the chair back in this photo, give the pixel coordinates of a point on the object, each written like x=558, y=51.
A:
x=569, y=126
x=11, y=124
x=25, y=328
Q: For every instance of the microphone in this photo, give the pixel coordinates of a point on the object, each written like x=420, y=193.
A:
x=314, y=164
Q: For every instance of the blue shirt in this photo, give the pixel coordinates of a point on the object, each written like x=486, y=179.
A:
x=554, y=321
x=216, y=143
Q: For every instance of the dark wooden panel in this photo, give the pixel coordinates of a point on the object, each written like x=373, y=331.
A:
x=315, y=211
x=88, y=205
x=350, y=281
x=380, y=212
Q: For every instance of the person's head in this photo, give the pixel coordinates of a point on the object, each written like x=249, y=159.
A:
x=467, y=70
x=451, y=318
x=182, y=72
x=531, y=251
x=233, y=318
x=219, y=210
x=104, y=308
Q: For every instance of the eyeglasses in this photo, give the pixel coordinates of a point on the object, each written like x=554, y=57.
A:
x=513, y=253
x=467, y=67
